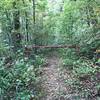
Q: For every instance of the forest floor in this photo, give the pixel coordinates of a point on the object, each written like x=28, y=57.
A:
x=53, y=80
x=56, y=82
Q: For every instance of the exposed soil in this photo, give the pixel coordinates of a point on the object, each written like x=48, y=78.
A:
x=54, y=80
x=51, y=79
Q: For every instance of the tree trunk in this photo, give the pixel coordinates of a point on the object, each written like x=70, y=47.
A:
x=26, y=26
x=34, y=26
x=16, y=36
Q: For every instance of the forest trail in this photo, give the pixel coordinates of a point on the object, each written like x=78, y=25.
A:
x=53, y=79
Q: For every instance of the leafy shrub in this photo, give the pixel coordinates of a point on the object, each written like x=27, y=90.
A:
x=19, y=80
x=83, y=71
x=39, y=61
x=82, y=67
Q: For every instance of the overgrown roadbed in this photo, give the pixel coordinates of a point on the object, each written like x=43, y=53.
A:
x=53, y=81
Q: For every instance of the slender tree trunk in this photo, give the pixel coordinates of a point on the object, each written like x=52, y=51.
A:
x=34, y=12
x=26, y=20
x=27, y=37
x=16, y=36
x=34, y=25
x=9, y=27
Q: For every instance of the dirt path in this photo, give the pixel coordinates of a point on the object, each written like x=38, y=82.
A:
x=53, y=80
x=56, y=81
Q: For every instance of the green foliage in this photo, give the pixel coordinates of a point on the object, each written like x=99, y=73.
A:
x=83, y=68
x=74, y=22
x=19, y=79
x=77, y=25
x=39, y=61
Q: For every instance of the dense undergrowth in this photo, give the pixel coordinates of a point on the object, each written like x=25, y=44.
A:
x=19, y=77
x=86, y=74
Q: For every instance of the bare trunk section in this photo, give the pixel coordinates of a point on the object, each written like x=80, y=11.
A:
x=26, y=26
x=16, y=35
x=34, y=12
x=34, y=26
